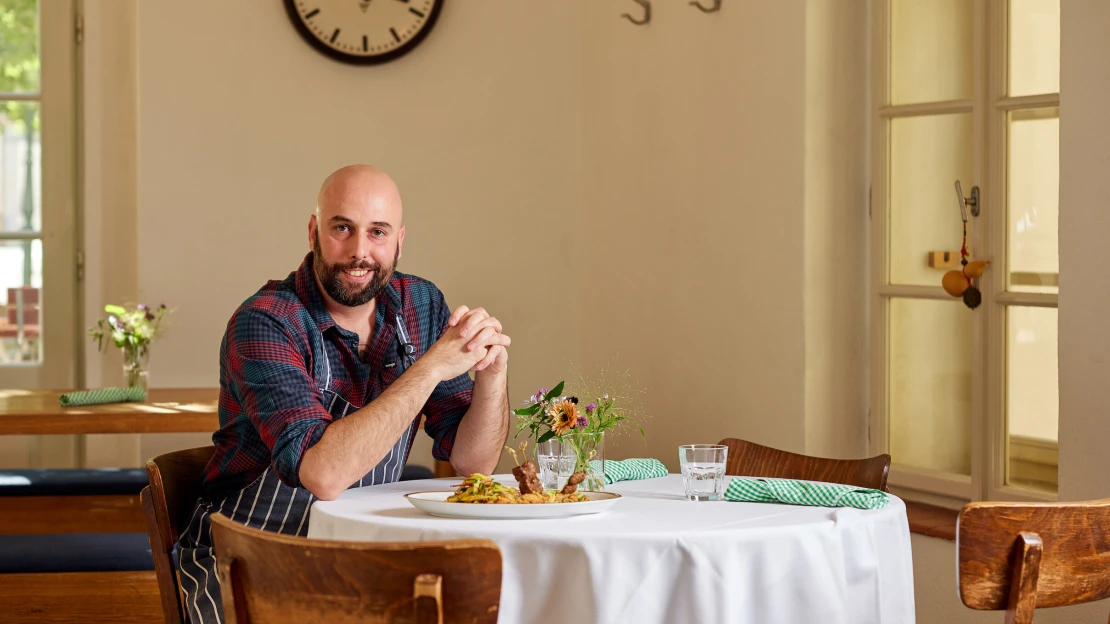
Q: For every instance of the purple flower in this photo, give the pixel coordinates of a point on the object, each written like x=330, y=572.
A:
x=591, y=407
x=142, y=306
x=606, y=396
x=163, y=306
x=582, y=422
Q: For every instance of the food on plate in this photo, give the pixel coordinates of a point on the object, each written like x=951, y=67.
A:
x=480, y=488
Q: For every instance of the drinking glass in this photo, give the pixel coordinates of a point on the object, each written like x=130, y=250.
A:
x=703, y=470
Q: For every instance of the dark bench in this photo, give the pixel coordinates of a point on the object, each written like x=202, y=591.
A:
x=75, y=552
x=82, y=552
x=78, y=577
x=85, y=500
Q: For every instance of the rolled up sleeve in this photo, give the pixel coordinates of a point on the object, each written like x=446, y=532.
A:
x=270, y=379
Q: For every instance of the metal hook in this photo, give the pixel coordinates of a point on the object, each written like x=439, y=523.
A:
x=972, y=201
x=713, y=9
x=647, y=12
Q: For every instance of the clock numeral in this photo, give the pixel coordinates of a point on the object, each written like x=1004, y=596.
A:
x=395, y=35
x=364, y=45
x=415, y=12
x=311, y=14
x=333, y=36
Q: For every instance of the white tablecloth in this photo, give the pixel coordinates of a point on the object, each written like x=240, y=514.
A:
x=656, y=557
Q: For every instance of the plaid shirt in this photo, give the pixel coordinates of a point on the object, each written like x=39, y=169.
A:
x=273, y=386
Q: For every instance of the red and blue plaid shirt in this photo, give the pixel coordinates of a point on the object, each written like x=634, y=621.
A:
x=283, y=357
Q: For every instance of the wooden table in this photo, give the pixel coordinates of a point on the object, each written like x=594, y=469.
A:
x=166, y=410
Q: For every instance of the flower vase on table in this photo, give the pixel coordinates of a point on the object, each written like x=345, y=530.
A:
x=560, y=457
x=136, y=361
x=132, y=330
x=570, y=436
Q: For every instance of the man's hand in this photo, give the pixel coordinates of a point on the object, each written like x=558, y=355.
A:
x=479, y=323
x=470, y=339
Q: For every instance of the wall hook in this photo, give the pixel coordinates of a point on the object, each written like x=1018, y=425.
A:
x=713, y=9
x=967, y=202
x=647, y=12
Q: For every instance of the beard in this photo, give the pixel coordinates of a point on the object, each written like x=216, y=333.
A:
x=332, y=281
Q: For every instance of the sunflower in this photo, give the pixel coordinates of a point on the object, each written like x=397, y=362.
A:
x=564, y=415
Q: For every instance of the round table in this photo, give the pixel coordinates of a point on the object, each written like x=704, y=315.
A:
x=656, y=557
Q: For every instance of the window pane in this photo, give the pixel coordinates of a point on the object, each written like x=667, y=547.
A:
x=1034, y=200
x=1034, y=47
x=930, y=50
x=930, y=384
x=20, y=301
x=1033, y=397
x=20, y=167
x=19, y=46
x=927, y=156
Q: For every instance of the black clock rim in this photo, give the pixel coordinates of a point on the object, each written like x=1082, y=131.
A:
x=306, y=34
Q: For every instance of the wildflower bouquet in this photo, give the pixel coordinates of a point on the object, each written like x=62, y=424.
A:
x=563, y=428
x=132, y=330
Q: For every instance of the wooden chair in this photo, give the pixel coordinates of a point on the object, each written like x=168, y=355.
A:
x=1020, y=556
x=755, y=460
x=168, y=504
x=269, y=577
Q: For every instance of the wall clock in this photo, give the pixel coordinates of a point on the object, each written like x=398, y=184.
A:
x=363, y=32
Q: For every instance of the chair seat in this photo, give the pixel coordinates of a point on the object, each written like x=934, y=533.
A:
x=72, y=481
x=75, y=552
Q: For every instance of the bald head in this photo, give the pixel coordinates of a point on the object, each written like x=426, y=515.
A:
x=356, y=234
x=359, y=186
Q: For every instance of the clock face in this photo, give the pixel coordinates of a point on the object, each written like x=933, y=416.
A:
x=363, y=31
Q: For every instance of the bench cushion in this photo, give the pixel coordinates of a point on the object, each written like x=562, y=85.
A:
x=72, y=481
x=75, y=552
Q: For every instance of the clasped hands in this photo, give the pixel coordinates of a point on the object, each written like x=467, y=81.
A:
x=472, y=342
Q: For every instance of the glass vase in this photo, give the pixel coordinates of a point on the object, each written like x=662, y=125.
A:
x=559, y=458
x=136, y=359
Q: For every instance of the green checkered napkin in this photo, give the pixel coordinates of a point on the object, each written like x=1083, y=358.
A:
x=631, y=469
x=103, y=395
x=792, y=492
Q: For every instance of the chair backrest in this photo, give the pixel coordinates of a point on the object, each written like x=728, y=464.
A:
x=1019, y=556
x=270, y=577
x=30, y=308
x=176, y=481
x=755, y=460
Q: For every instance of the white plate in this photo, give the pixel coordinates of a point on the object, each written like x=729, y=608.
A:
x=435, y=503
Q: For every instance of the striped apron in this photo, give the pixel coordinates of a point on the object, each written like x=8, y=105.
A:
x=271, y=505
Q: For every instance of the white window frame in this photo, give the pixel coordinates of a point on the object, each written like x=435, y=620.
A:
x=57, y=114
x=988, y=106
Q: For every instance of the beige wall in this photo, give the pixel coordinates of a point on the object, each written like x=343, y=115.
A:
x=1084, y=253
x=836, y=228
x=627, y=152
x=692, y=229
x=237, y=133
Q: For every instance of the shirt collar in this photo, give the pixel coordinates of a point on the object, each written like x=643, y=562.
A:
x=389, y=300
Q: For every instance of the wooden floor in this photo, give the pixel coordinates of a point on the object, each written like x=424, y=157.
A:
x=88, y=597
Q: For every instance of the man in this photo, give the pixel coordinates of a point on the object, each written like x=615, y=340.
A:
x=324, y=376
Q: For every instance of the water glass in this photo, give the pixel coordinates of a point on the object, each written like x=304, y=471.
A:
x=703, y=470
x=559, y=458
x=556, y=461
